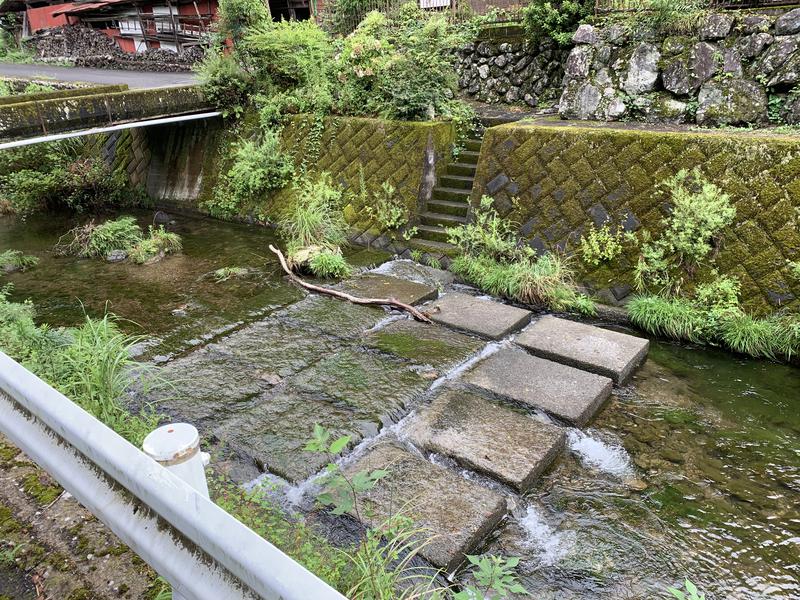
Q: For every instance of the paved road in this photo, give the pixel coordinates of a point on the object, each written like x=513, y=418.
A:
x=134, y=79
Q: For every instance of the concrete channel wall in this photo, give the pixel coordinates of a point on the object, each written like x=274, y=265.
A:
x=557, y=178
x=70, y=113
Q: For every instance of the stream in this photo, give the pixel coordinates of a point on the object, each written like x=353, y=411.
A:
x=692, y=470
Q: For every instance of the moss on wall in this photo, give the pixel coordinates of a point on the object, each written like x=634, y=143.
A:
x=556, y=179
x=73, y=93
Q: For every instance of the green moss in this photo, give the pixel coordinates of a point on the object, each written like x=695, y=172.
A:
x=8, y=524
x=8, y=452
x=81, y=594
x=36, y=485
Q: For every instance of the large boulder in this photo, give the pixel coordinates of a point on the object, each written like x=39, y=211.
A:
x=684, y=74
x=592, y=101
x=791, y=110
x=776, y=55
x=578, y=63
x=642, y=73
x=585, y=34
x=731, y=102
x=716, y=26
x=660, y=107
x=788, y=23
x=755, y=24
x=751, y=46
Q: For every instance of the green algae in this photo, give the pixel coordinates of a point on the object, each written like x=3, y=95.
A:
x=37, y=485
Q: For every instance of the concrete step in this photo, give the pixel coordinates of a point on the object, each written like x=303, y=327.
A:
x=434, y=233
x=563, y=391
x=448, y=207
x=480, y=435
x=441, y=219
x=485, y=318
x=469, y=157
x=610, y=353
x=473, y=145
x=432, y=246
x=457, y=514
x=372, y=285
x=452, y=194
x=458, y=182
x=459, y=168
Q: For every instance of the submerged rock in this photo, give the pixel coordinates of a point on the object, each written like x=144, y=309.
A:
x=116, y=256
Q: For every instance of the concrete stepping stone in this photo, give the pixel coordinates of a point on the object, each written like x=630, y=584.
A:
x=373, y=285
x=561, y=390
x=423, y=344
x=273, y=432
x=491, y=439
x=609, y=353
x=331, y=316
x=457, y=513
x=486, y=318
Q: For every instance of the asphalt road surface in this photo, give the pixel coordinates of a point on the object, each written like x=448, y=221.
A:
x=134, y=79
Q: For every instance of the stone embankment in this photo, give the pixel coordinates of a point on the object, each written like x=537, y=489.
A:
x=483, y=388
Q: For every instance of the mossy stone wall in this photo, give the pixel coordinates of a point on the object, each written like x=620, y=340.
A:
x=557, y=179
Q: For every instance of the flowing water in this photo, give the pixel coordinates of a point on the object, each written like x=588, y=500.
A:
x=691, y=470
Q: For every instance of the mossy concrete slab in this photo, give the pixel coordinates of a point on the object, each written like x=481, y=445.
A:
x=482, y=436
x=601, y=351
x=376, y=387
x=423, y=344
x=456, y=512
x=274, y=431
x=323, y=314
x=561, y=390
x=413, y=271
x=483, y=317
x=374, y=285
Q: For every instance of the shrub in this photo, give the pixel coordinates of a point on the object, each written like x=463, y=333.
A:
x=601, y=245
x=487, y=234
x=236, y=17
x=555, y=19
x=225, y=83
x=386, y=209
x=329, y=264
x=672, y=16
x=157, y=244
x=15, y=260
x=315, y=218
x=97, y=241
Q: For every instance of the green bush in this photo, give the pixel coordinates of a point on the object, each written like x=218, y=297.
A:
x=157, y=244
x=555, y=19
x=315, y=218
x=225, y=83
x=329, y=264
x=15, y=260
x=601, y=245
x=236, y=17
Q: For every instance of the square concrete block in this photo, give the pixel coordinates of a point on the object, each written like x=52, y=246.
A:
x=480, y=435
x=566, y=392
x=609, y=353
x=483, y=317
x=456, y=513
x=372, y=285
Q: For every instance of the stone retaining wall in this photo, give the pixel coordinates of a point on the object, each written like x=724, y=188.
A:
x=555, y=179
x=62, y=93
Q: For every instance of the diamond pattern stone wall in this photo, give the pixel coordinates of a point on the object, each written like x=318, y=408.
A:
x=556, y=179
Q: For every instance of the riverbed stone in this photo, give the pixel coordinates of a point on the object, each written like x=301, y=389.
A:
x=485, y=437
x=274, y=431
x=374, y=285
x=331, y=316
x=455, y=512
x=610, y=353
x=423, y=344
x=374, y=386
x=487, y=318
x=566, y=392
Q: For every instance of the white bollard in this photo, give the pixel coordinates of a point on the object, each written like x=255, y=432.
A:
x=177, y=447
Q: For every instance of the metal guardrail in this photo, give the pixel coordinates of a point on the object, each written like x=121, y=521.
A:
x=201, y=550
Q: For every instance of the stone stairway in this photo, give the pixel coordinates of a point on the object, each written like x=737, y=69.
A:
x=449, y=202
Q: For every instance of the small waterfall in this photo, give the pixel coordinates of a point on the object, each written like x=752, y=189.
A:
x=598, y=454
x=540, y=536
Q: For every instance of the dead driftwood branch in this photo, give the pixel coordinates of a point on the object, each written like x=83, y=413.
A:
x=345, y=296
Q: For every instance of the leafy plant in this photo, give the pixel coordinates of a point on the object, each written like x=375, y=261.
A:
x=225, y=83
x=386, y=209
x=315, y=218
x=672, y=16
x=226, y=273
x=601, y=245
x=555, y=19
x=329, y=264
x=8, y=556
x=157, y=244
x=15, y=260
x=98, y=240
x=495, y=577
x=691, y=593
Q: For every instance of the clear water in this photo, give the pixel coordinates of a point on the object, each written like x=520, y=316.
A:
x=692, y=470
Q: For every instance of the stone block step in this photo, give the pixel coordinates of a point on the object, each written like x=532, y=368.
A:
x=448, y=207
x=610, y=353
x=452, y=194
x=459, y=168
x=469, y=157
x=486, y=318
x=432, y=247
x=373, y=285
x=480, y=435
x=456, y=513
x=473, y=144
x=561, y=390
x=433, y=233
x=458, y=182
x=441, y=219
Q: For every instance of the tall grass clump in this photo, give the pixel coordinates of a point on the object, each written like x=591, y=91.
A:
x=91, y=364
x=493, y=260
x=15, y=260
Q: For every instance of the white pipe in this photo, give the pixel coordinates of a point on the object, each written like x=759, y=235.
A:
x=95, y=130
x=202, y=551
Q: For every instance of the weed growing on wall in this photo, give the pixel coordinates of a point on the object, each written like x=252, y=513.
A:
x=601, y=245
x=493, y=259
x=90, y=364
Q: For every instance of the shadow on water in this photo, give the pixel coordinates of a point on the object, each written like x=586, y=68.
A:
x=691, y=470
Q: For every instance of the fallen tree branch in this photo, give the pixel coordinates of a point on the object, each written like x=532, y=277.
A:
x=345, y=296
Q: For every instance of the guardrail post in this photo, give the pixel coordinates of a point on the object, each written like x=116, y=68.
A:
x=177, y=447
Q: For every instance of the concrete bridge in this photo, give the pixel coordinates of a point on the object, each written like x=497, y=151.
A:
x=96, y=108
